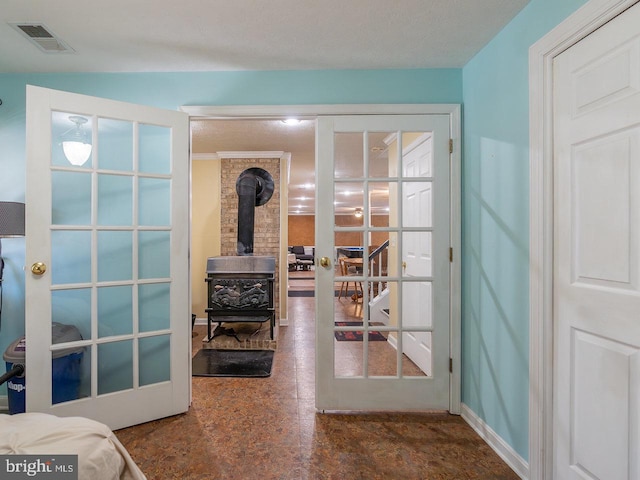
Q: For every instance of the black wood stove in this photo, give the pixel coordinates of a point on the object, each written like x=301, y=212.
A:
x=240, y=288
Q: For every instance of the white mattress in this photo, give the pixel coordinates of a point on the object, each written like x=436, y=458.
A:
x=100, y=453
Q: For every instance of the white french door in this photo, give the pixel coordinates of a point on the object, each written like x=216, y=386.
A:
x=107, y=259
x=596, y=278
x=363, y=162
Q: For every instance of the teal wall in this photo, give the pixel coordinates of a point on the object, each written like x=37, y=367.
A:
x=495, y=269
x=172, y=90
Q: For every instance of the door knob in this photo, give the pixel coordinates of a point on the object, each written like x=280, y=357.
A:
x=404, y=265
x=325, y=262
x=38, y=268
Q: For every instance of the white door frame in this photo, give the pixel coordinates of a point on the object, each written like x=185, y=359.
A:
x=453, y=110
x=581, y=23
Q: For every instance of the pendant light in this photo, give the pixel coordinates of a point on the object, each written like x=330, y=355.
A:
x=76, y=144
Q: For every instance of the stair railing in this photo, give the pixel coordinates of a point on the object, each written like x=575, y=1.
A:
x=378, y=268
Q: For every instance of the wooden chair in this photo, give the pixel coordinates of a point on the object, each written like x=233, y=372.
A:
x=345, y=272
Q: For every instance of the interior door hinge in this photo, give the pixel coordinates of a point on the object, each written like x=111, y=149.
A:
x=451, y=145
x=450, y=254
x=451, y=365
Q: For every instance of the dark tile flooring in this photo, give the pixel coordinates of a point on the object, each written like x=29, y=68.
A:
x=267, y=428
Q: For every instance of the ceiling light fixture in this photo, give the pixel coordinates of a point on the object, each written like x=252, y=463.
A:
x=76, y=144
x=358, y=213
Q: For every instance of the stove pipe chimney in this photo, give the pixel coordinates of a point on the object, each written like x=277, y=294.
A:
x=254, y=187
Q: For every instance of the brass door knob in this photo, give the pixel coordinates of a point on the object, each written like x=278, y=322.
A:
x=38, y=268
x=325, y=262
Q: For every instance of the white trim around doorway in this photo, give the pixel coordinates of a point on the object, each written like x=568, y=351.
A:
x=581, y=23
x=454, y=112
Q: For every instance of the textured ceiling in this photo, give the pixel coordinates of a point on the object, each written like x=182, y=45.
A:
x=206, y=35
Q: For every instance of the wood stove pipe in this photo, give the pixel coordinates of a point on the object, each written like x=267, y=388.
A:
x=254, y=187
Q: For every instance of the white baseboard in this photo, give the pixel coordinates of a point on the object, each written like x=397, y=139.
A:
x=504, y=451
x=201, y=321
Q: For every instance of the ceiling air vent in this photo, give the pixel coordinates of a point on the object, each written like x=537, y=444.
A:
x=41, y=36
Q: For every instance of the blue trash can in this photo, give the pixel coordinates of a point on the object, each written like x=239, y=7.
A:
x=65, y=373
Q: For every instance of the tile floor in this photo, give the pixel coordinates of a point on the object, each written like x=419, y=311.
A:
x=267, y=428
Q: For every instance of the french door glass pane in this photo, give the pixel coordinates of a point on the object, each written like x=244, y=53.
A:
x=348, y=356
x=348, y=155
x=348, y=244
x=417, y=247
x=115, y=366
x=348, y=203
x=417, y=206
x=379, y=158
x=153, y=306
x=155, y=361
x=418, y=306
x=153, y=254
x=115, y=200
x=70, y=198
x=115, y=311
x=154, y=200
x=379, y=201
x=70, y=257
x=419, y=359
x=382, y=360
x=66, y=367
x=72, y=307
x=154, y=149
x=115, y=140
x=85, y=373
x=63, y=128
x=409, y=367
x=417, y=165
x=115, y=255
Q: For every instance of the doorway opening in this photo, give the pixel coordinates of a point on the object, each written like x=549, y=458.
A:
x=237, y=114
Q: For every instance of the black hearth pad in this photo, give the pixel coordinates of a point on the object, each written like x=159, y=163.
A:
x=210, y=362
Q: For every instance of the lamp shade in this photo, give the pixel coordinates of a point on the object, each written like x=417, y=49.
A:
x=11, y=219
x=76, y=143
x=76, y=152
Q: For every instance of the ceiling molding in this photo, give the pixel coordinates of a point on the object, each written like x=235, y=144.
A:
x=204, y=156
x=249, y=154
x=311, y=111
x=241, y=154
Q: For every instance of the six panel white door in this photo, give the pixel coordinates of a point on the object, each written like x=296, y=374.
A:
x=597, y=254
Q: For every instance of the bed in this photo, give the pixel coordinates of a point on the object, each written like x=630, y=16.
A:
x=101, y=456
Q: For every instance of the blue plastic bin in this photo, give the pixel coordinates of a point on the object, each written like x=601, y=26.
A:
x=65, y=374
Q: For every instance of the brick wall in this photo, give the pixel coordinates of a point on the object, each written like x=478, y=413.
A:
x=266, y=239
